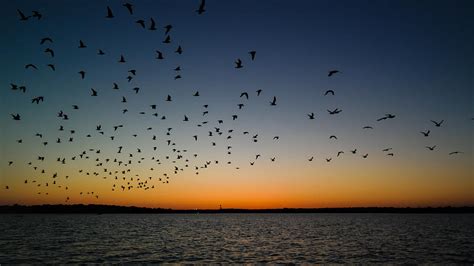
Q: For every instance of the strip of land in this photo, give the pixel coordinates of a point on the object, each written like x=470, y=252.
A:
x=102, y=209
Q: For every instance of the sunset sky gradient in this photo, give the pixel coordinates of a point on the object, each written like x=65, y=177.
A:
x=413, y=59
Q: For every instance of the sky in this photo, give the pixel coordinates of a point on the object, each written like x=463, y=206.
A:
x=413, y=59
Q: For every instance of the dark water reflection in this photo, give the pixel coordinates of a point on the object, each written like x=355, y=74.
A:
x=237, y=238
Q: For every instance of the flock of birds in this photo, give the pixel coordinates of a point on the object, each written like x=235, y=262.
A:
x=123, y=166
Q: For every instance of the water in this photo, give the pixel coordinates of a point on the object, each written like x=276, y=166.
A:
x=237, y=238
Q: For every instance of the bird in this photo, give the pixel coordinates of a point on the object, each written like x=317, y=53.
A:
x=332, y=137
x=141, y=22
x=426, y=134
x=152, y=24
x=167, y=28
x=100, y=52
x=386, y=149
x=311, y=158
x=129, y=7
x=335, y=111
x=244, y=94
x=201, y=9
x=109, y=13
x=437, y=124
x=122, y=59
x=50, y=51
x=367, y=127
x=273, y=102
x=431, y=148
x=37, y=99
x=387, y=116
x=167, y=39
x=93, y=92
x=160, y=55
x=311, y=116
x=185, y=118
x=455, y=152
x=365, y=155
x=31, y=66
x=252, y=55
x=196, y=94
x=53, y=68
x=328, y=160
x=37, y=15
x=258, y=92
x=81, y=44
x=332, y=72
x=82, y=73
x=22, y=16
x=329, y=92
x=46, y=39
x=238, y=63
x=179, y=50
x=15, y=116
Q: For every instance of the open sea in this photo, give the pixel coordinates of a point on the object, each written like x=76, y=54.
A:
x=237, y=238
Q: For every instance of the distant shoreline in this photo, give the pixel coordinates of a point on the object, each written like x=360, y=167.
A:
x=103, y=209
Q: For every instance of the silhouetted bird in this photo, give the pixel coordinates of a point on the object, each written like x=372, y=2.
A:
x=238, y=63
x=437, y=124
x=332, y=72
x=37, y=99
x=455, y=152
x=82, y=73
x=329, y=92
x=311, y=116
x=168, y=29
x=141, y=22
x=37, y=15
x=335, y=111
x=431, y=148
x=179, y=50
x=46, y=39
x=387, y=116
x=160, y=55
x=50, y=51
x=31, y=66
x=93, y=92
x=167, y=39
x=129, y=7
x=81, y=44
x=244, y=94
x=152, y=24
x=109, y=13
x=22, y=16
x=273, y=102
x=252, y=55
x=201, y=7
x=367, y=127
x=426, y=134
x=258, y=92
x=15, y=116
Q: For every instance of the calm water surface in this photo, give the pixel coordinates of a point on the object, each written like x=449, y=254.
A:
x=204, y=238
